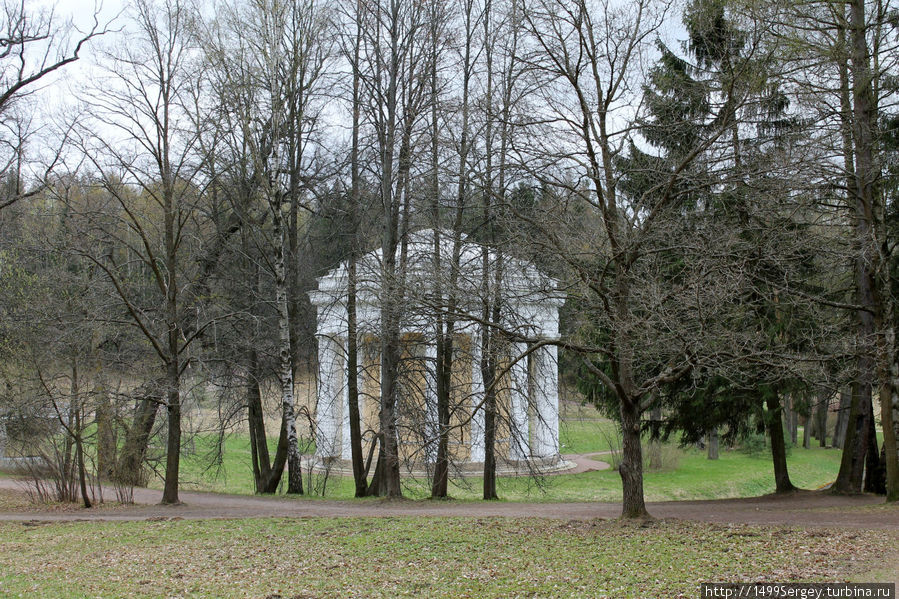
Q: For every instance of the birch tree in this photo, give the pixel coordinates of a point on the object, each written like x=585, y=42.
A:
x=269, y=58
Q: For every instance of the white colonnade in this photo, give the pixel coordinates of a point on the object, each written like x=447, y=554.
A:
x=532, y=411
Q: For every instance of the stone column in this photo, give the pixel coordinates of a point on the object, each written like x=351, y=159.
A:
x=431, y=424
x=546, y=399
x=477, y=396
x=330, y=364
x=519, y=443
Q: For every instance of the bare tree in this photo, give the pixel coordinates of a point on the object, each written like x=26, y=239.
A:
x=842, y=63
x=394, y=79
x=34, y=43
x=150, y=175
x=592, y=57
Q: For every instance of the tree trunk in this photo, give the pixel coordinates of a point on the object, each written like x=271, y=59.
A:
x=263, y=473
x=388, y=457
x=821, y=416
x=852, y=465
x=359, y=474
x=631, y=468
x=807, y=432
x=173, y=442
x=78, y=430
x=488, y=375
x=839, y=430
x=778, y=444
x=888, y=373
x=359, y=477
x=490, y=444
x=655, y=443
x=793, y=421
x=79, y=456
x=863, y=112
x=278, y=464
x=173, y=348
x=106, y=435
x=285, y=370
x=890, y=418
x=875, y=468
x=131, y=459
x=375, y=486
x=440, y=484
x=713, y=443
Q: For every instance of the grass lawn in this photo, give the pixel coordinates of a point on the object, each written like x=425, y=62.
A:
x=588, y=436
x=227, y=471
x=420, y=557
x=688, y=473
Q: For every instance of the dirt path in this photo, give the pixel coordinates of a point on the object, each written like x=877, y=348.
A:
x=807, y=509
x=584, y=462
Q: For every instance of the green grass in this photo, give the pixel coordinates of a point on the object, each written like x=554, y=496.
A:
x=228, y=471
x=588, y=436
x=735, y=474
x=420, y=557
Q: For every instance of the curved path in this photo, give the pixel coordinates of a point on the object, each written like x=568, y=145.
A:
x=804, y=508
x=584, y=462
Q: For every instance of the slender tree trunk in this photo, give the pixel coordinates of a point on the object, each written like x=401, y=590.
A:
x=388, y=483
x=439, y=487
x=807, y=432
x=839, y=431
x=280, y=461
x=393, y=292
x=262, y=467
x=359, y=473
x=821, y=416
x=778, y=444
x=713, y=443
x=489, y=304
x=78, y=431
x=79, y=457
x=388, y=456
x=387, y=479
x=359, y=477
x=285, y=371
x=173, y=444
x=443, y=324
x=173, y=337
x=489, y=433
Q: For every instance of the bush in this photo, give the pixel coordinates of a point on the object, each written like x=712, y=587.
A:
x=754, y=444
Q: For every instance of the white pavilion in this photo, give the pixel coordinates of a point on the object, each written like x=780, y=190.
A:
x=527, y=398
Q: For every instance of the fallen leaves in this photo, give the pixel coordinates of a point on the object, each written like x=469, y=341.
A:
x=459, y=557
